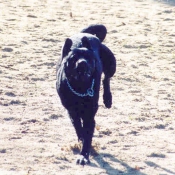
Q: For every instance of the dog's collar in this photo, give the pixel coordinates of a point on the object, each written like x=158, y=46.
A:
x=90, y=91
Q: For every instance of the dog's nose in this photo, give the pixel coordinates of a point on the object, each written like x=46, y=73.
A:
x=81, y=65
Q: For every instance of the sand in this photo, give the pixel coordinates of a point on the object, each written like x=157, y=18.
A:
x=136, y=136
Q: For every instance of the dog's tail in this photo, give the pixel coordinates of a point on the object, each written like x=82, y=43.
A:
x=98, y=30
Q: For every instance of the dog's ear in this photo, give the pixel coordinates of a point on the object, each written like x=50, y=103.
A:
x=86, y=43
x=66, y=48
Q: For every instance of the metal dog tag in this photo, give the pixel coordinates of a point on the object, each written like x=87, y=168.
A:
x=90, y=92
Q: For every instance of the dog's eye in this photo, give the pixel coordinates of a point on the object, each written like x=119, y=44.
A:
x=71, y=56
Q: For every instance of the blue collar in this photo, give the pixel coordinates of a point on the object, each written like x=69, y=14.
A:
x=90, y=91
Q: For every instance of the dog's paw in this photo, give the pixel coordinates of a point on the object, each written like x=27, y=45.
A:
x=82, y=160
x=107, y=99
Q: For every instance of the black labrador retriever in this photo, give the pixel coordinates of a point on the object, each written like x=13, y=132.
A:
x=79, y=70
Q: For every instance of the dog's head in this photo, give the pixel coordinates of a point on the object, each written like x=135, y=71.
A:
x=80, y=62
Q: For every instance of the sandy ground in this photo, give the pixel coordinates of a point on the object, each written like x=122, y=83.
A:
x=136, y=136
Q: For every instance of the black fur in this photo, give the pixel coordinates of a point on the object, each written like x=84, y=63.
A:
x=82, y=62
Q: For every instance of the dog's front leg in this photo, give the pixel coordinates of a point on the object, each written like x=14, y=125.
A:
x=88, y=130
x=76, y=121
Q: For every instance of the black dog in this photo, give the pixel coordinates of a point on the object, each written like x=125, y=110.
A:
x=83, y=60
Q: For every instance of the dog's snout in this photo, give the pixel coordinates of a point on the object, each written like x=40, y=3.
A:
x=82, y=68
x=81, y=65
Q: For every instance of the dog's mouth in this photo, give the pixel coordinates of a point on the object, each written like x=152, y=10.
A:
x=83, y=70
x=80, y=70
x=82, y=76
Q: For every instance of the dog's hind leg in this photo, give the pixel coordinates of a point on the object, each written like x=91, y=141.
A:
x=107, y=96
x=109, y=68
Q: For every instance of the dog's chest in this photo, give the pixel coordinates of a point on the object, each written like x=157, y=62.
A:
x=69, y=99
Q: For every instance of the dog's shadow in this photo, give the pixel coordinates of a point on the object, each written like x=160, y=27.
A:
x=104, y=159
x=167, y=2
